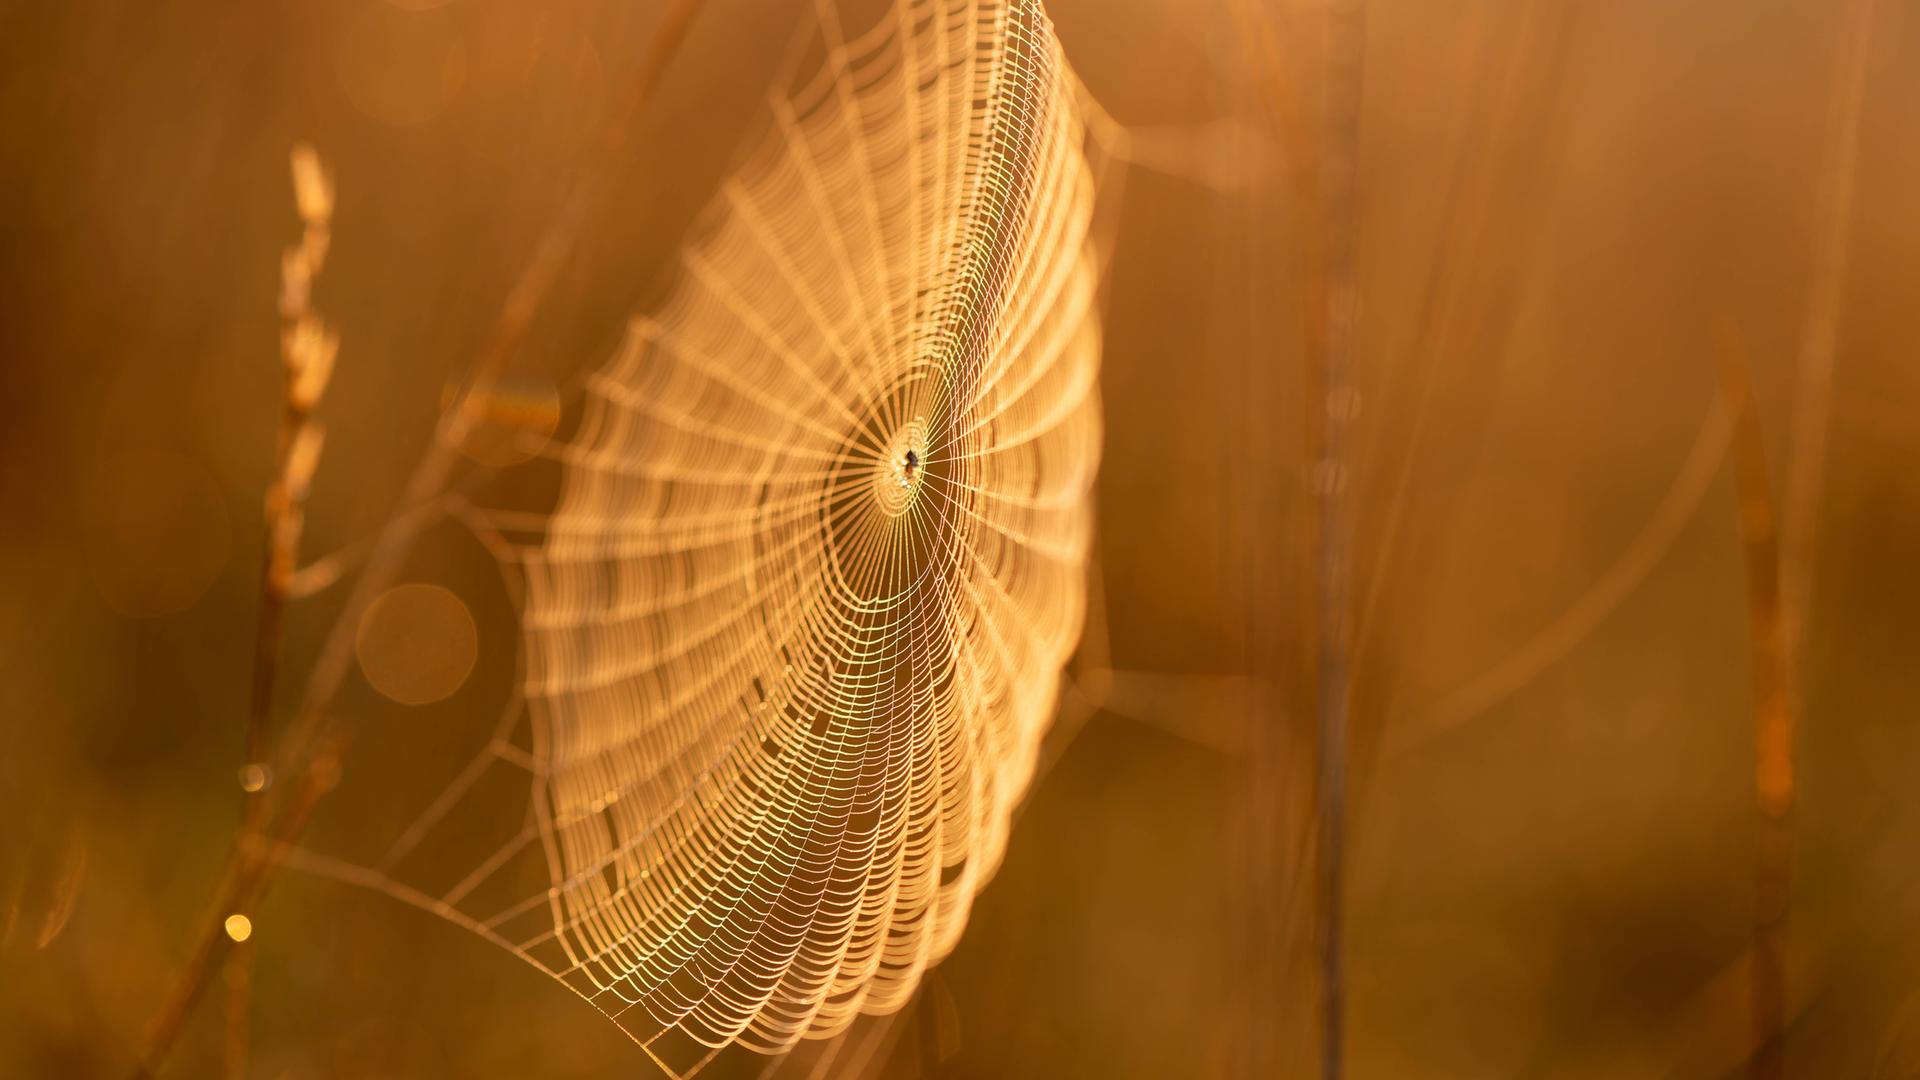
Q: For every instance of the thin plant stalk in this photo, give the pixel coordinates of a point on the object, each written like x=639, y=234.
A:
x=1282, y=791
x=1772, y=708
x=307, y=350
x=1335, y=405
x=1806, y=467
x=308, y=752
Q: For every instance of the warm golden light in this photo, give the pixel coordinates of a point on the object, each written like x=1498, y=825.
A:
x=400, y=66
x=914, y=539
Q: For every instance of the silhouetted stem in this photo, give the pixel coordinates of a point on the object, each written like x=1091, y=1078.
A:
x=311, y=745
x=1772, y=710
x=1806, y=465
x=307, y=351
x=1336, y=404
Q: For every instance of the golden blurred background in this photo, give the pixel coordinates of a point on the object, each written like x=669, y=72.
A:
x=1552, y=835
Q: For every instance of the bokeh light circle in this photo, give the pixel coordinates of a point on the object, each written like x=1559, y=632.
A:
x=417, y=644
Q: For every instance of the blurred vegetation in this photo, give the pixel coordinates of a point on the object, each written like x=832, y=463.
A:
x=1557, y=202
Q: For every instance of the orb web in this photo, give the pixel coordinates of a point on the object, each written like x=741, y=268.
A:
x=794, y=627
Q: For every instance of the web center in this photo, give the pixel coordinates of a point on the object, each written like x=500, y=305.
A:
x=901, y=467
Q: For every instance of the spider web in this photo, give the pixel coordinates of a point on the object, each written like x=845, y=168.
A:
x=795, y=626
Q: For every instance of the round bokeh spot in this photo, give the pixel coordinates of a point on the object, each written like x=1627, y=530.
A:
x=417, y=644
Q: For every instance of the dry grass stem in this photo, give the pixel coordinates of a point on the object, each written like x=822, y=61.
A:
x=311, y=745
x=1331, y=412
x=1772, y=711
